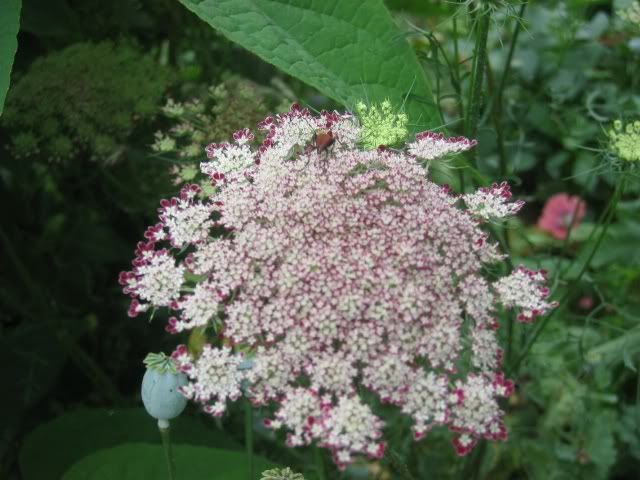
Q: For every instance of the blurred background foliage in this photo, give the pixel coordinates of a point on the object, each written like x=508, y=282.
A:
x=110, y=106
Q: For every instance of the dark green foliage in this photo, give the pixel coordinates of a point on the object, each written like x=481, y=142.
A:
x=86, y=430
x=9, y=26
x=210, y=117
x=86, y=99
x=141, y=461
x=347, y=50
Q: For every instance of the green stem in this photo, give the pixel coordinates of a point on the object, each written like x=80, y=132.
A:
x=477, y=74
x=497, y=104
x=496, y=117
x=248, y=433
x=565, y=243
x=317, y=453
x=168, y=453
x=509, y=346
x=456, y=58
x=398, y=465
x=512, y=48
x=472, y=466
x=434, y=52
x=90, y=368
x=610, y=209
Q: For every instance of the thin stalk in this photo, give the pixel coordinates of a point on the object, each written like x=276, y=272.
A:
x=611, y=208
x=474, y=462
x=512, y=48
x=497, y=103
x=496, y=117
x=248, y=437
x=638, y=401
x=434, y=52
x=166, y=445
x=457, y=85
x=603, y=216
x=461, y=179
x=509, y=347
x=477, y=74
x=456, y=55
x=317, y=454
x=398, y=465
x=565, y=243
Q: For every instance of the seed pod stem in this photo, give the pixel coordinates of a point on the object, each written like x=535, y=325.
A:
x=163, y=426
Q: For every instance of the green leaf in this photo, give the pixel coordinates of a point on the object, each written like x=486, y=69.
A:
x=600, y=445
x=79, y=433
x=9, y=26
x=620, y=349
x=50, y=18
x=30, y=359
x=348, y=50
x=139, y=461
x=419, y=7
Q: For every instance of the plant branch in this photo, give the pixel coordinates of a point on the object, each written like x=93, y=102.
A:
x=168, y=453
x=248, y=432
x=610, y=209
x=477, y=74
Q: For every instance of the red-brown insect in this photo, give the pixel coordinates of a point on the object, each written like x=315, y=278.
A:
x=324, y=140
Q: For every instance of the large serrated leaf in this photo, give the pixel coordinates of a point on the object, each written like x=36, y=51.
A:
x=139, y=461
x=9, y=26
x=349, y=50
x=82, y=432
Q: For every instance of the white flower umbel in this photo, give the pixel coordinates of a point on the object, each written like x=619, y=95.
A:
x=525, y=289
x=432, y=145
x=492, y=203
x=214, y=377
x=338, y=270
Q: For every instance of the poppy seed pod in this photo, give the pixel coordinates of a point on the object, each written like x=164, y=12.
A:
x=160, y=389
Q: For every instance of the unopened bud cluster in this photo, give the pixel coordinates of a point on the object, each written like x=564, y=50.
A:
x=624, y=140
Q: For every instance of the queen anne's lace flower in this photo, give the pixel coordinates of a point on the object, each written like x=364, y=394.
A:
x=155, y=279
x=427, y=401
x=492, y=203
x=215, y=374
x=335, y=271
x=524, y=289
x=475, y=412
x=432, y=145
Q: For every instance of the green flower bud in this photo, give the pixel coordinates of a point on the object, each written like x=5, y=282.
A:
x=380, y=125
x=624, y=140
x=281, y=474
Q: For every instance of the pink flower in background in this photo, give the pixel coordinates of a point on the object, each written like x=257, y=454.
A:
x=560, y=213
x=586, y=303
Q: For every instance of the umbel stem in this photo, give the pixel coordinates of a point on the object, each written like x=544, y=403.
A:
x=477, y=74
x=604, y=223
x=317, y=453
x=163, y=426
x=248, y=433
